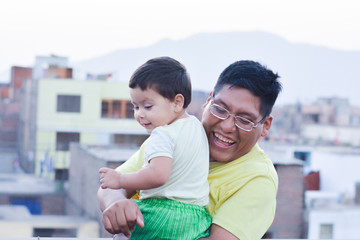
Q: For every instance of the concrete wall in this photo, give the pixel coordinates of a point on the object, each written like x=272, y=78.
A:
x=83, y=185
x=83, y=182
x=7, y=160
x=345, y=222
x=84, y=178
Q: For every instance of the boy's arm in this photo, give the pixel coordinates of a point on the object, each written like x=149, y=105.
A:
x=154, y=175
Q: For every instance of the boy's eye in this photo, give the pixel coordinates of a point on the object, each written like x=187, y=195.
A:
x=148, y=107
x=135, y=107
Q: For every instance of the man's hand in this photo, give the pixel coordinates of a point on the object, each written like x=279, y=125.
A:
x=122, y=216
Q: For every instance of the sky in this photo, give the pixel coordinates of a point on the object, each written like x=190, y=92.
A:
x=83, y=29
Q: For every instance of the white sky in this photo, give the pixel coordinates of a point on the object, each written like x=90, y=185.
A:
x=81, y=29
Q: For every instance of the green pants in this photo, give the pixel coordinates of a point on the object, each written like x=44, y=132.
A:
x=168, y=219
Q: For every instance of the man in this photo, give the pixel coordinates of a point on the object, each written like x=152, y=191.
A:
x=243, y=182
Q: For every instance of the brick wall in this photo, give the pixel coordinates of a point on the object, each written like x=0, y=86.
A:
x=289, y=218
x=53, y=204
x=18, y=76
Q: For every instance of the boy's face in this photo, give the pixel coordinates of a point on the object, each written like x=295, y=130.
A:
x=226, y=141
x=151, y=109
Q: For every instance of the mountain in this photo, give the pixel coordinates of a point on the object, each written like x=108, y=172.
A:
x=307, y=71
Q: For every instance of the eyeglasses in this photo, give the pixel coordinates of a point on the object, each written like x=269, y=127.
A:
x=240, y=122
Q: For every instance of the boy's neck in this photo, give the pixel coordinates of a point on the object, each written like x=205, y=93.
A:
x=182, y=114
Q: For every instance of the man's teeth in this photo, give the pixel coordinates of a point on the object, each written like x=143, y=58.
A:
x=223, y=139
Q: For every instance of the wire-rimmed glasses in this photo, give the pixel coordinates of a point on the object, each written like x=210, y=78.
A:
x=240, y=122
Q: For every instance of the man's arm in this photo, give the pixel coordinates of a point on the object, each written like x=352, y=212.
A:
x=120, y=214
x=217, y=232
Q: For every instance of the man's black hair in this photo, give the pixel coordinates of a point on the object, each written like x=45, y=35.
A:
x=256, y=78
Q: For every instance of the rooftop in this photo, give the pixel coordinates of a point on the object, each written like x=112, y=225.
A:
x=25, y=184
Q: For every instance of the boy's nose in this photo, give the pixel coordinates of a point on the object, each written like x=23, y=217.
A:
x=141, y=113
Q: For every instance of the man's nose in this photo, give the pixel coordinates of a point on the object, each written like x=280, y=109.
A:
x=228, y=125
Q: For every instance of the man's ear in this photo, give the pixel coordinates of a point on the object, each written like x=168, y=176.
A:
x=207, y=100
x=179, y=102
x=266, y=126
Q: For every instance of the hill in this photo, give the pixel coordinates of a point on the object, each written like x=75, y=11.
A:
x=307, y=72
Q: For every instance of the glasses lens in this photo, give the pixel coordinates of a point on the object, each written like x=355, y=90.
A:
x=243, y=123
x=219, y=111
x=223, y=114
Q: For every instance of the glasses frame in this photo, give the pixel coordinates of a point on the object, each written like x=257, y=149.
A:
x=212, y=104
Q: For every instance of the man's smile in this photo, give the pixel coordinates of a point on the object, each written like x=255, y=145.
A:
x=224, y=141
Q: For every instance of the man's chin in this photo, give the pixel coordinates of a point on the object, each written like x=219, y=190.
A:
x=219, y=155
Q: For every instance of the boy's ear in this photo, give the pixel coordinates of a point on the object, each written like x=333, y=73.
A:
x=179, y=102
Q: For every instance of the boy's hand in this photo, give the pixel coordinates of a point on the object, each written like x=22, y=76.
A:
x=109, y=178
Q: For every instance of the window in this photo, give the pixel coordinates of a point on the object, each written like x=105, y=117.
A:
x=326, y=231
x=62, y=174
x=117, y=109
x=68, y=103
x=129, y=140
x=129, y=110
x=63, y=140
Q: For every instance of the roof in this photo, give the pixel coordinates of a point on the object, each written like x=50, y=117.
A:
x=279, y=155
x=25, y=184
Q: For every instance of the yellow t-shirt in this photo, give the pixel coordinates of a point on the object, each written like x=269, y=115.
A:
x=242, y=192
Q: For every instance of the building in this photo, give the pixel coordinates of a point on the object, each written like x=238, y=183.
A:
x=332, y=190
x=328, y=121
x=319, y=134
x=17, y=222
x=10, y=106
x=59, y=111
x=332, y=215
x=289, y=217
x=41, y=196
x=331, y=121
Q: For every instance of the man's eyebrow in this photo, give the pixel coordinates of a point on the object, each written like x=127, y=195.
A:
x=241, y=114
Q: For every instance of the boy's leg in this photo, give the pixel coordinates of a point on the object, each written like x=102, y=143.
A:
x=167, y=219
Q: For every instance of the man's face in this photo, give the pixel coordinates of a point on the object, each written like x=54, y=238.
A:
x=226, y=141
